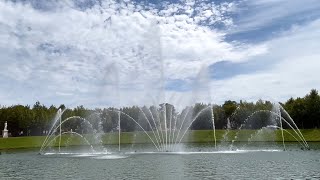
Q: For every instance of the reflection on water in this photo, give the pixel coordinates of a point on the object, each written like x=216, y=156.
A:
x=197, y=161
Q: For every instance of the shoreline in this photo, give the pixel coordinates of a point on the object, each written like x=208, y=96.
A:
x=194, y=136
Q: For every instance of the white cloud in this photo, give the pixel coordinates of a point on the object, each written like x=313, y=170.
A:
x=126, y=51
x=71, y=52
x=258, y=14
x=296, y=53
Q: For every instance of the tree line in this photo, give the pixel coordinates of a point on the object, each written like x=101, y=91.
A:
x=24, y=120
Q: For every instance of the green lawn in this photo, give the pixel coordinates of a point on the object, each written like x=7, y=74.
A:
x=202, y=136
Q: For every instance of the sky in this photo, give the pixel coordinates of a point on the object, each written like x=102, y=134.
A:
x=100, y=53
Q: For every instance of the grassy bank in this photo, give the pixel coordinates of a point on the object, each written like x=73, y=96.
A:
x=202, y=136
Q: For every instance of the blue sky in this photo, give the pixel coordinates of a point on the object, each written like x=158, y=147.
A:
x=116, y=53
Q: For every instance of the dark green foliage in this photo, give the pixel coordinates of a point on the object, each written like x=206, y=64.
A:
x=229, y=107
x=305, y=111
x=36, y=120
x=204, y=120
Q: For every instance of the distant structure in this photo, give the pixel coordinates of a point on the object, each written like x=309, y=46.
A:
x=5, y=130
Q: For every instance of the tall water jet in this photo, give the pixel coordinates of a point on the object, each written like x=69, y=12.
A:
x=59, y=114
x=49, y=134
x=214, y=128
x=119, y=130
x=280, y=120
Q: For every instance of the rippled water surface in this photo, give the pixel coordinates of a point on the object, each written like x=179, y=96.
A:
x=195, y=162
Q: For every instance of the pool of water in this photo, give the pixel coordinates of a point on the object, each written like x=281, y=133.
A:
x=192, y=161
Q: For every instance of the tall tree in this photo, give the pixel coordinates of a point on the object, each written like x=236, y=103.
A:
x=312, y=103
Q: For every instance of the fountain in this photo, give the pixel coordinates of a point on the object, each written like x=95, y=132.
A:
x=276, y=123
x=57, y=129
x=168, y=131
x=164, y=130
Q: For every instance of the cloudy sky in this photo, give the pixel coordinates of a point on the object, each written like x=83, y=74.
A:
x=110, y=53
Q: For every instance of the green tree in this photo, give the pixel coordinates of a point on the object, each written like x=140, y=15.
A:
x=229, y=107
x=312, y=103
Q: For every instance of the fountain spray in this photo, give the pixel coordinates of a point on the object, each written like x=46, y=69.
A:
x=214, y=128
x=59, y=111
x=119, y=130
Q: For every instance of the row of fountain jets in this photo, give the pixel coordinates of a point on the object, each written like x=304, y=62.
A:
x=173, y=130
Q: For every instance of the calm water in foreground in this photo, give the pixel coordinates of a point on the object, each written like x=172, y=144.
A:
x=196, y=162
